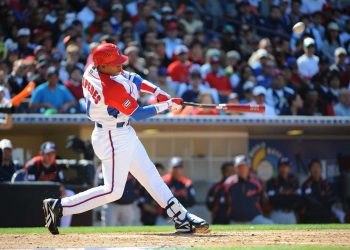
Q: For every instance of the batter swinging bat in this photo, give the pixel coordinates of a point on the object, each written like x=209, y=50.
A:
x=246, y=108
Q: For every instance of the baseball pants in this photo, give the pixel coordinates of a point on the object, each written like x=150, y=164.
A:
x=120, y=151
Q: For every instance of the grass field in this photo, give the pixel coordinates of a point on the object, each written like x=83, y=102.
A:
x=332, y=236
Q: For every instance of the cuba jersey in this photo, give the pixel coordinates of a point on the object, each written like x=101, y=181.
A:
x=110, y=99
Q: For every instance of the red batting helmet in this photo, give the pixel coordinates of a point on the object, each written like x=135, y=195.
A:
x=108, y=53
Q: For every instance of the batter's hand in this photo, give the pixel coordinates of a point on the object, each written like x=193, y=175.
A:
x=176, y=104
x=161, y=95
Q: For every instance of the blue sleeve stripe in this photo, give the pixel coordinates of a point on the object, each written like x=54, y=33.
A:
x=135, y=78
x=144, y=112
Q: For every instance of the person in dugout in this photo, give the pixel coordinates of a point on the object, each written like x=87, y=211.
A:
x=216, y=199
x=180, y=186
x=284, y=194
x=44, y=168
x=317, y=196
x=245, y=194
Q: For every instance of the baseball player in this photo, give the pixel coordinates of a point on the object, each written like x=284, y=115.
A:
x=111, y=101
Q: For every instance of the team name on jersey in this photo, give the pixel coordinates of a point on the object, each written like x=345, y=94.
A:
x=93, y=92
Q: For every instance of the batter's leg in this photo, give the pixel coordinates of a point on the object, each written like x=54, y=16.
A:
x=146, y=173
x=114, y=148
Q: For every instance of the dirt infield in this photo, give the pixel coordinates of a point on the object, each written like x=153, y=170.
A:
x=340, y=238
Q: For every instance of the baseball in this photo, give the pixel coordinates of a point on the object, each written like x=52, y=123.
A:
x=298, y=28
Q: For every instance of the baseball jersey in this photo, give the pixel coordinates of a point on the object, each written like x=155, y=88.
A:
x=112, y=99
x=37, y=172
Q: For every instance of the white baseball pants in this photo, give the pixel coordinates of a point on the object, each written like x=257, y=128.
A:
x=120, y=151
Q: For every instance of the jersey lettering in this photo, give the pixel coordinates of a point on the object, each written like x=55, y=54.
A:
x=90, y=88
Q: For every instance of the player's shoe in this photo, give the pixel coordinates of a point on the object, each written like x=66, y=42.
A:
x=185, y=222
x=53, y=213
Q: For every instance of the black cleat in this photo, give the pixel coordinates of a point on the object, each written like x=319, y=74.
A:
x=53, y=213
x=192, y=224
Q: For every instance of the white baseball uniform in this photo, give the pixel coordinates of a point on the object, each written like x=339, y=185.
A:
x=111, y=100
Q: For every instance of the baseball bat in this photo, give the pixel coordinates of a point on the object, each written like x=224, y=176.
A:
x=27, y=91
x=244, y=108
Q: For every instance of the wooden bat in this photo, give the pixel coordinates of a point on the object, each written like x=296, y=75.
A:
x=27, y=91
x=244, y=108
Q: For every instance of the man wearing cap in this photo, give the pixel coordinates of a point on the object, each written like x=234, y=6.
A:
x=52, y=95
x=180, y=186
x=284, y=194
x=18, y=79
x=342, y=108
x=179, y=69
x=7, y=166
x=189, y=21
x=259, y=95
x=340, y=66
x=24, y=46
x=171, y=40
x=245, y=194
x=217, y=199
x=317, y=196
x=44, y=168
x=308, y=62
x=332, y=41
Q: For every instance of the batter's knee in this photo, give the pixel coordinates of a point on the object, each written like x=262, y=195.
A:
x=116, y=194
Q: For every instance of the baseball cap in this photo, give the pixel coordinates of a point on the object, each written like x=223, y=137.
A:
x=259, y=90
x=240, y=160
x=48, y=147
x=233, y=54
x=176, y=162
x=117, y=7
x=5, y=143
x=333, y=26
x=283, y=161
x=181, y=49
x=166, y=9
x=23, y=32
x=260, y=53
x=248, y=85
x=308, y=41
x=340, y=51
x=51, y=70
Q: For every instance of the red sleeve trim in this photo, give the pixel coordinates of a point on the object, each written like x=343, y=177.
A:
x=116, y=96
x=148, y=87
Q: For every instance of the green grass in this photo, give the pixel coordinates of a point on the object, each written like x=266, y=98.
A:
x=171, y=229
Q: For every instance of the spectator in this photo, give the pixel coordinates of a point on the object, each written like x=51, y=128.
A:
x=75, y=88
x=18, y=79
x=190, y=23
x=3, y=99
x=24, y=46
x=342, y=108
x=340, y=66
x=232, y=99
x=295, y=106
x=196, y=85
x=171, y=40
x=277, y=96
x=72, y=60
x=308, y=62
x=317, y=195
x=7, y=166
x=332, y=41
x=283, y=192
x=204, y=97
x=180, y=186
x=217, y=80
x=244, y=195
x=332, y=97
x=52, y=95
x=87, y=15
x=248, y=96
x=122, y=212
x=231, y=71
x=135, y=62
x=179, y=69
x=196, y=52
x=44, y=168
x=259, y=93
x=216, y=198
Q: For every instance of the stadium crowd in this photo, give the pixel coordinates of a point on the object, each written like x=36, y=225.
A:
x=240, y=197
x=204, y=51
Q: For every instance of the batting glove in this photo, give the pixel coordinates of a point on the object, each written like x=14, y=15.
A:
x=176, y=104
x=161, y=95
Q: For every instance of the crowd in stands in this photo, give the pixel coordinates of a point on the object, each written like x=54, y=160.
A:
x=240, y=197
x=203, y=51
